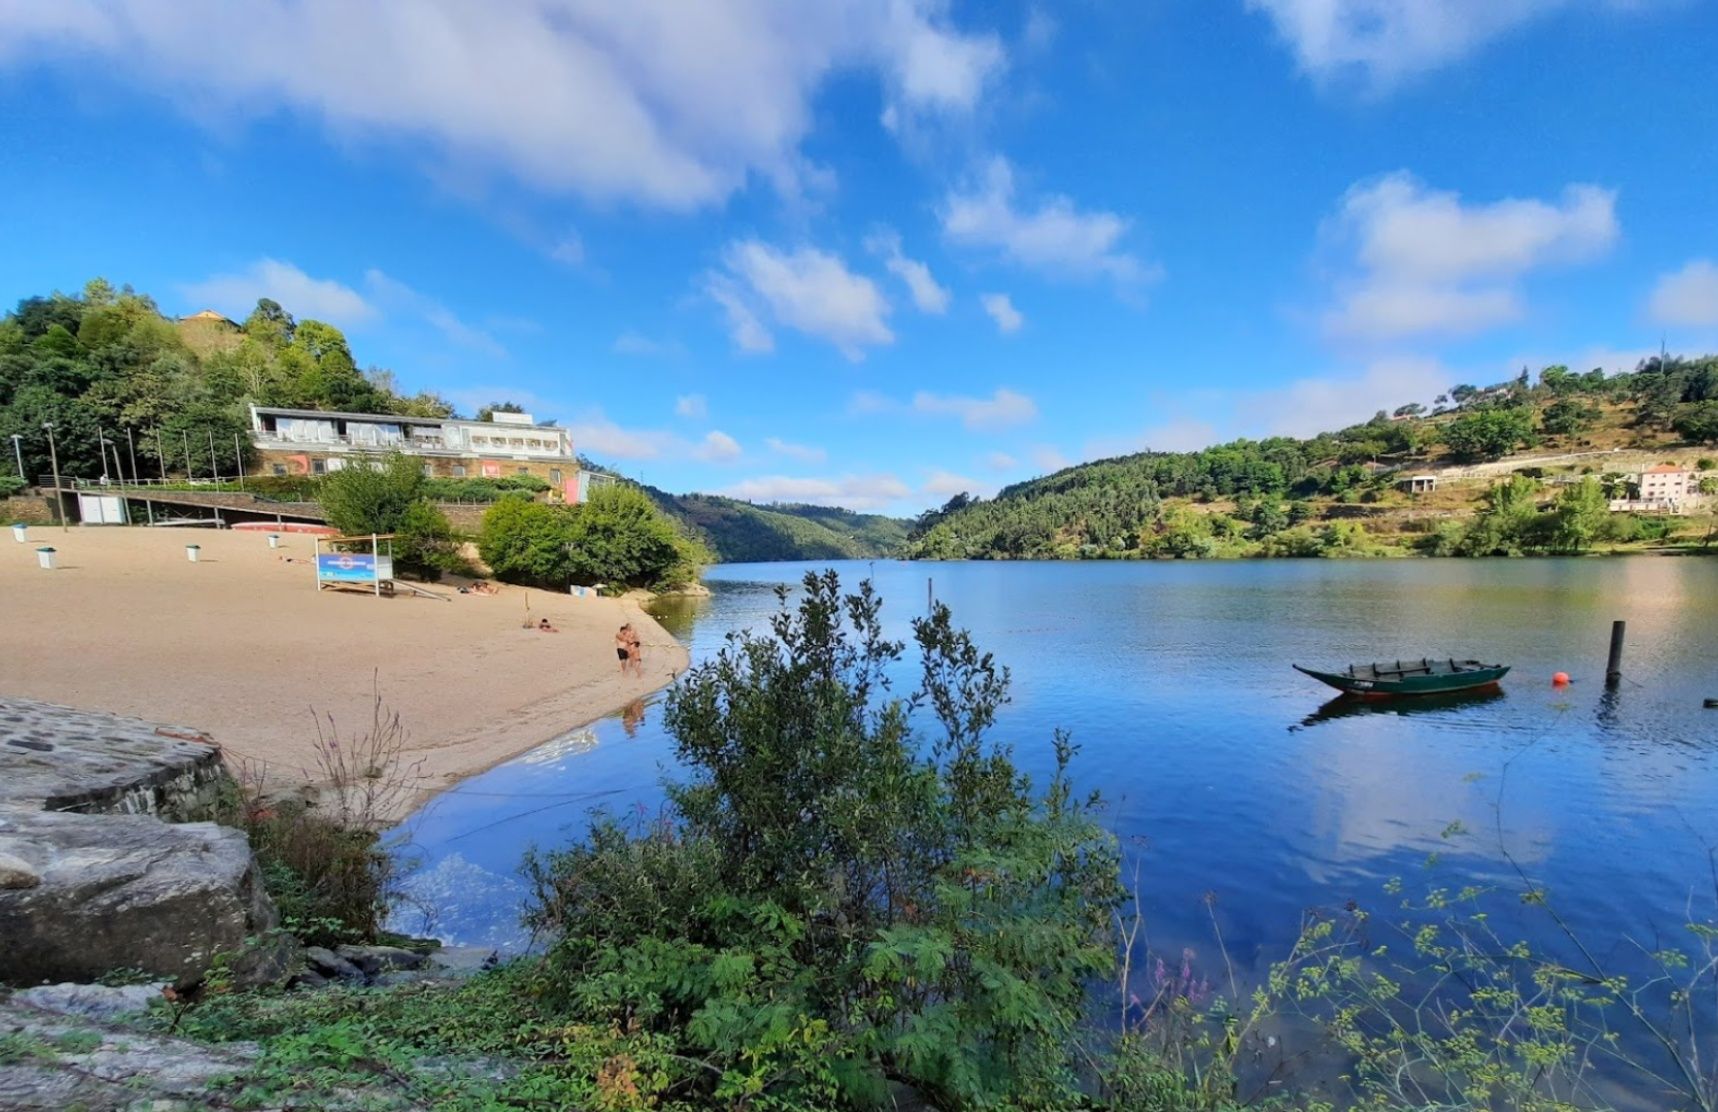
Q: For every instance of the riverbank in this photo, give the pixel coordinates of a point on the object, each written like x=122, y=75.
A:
x=242, y=646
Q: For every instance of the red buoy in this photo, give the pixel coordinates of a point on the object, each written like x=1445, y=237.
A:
x=1561, y=679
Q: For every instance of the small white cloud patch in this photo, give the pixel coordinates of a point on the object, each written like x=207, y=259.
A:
x=1001, y=310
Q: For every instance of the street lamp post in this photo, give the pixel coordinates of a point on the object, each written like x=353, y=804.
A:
x=18, y=454
x=54, y=459
x=131, y=450
x=101, y=450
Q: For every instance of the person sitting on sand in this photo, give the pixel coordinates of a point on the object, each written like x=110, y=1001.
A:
x=544, y=627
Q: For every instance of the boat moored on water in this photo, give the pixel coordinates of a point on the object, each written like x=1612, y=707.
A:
x=1426, y=676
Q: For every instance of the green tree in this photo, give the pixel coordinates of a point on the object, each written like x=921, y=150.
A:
x=1581, y=515
x=270, y=325
x=371, y=496
x=424, y=543
x=1505, y=524
x=835, y=901
x=1488, y=433
x=528, y=542
x=1698, y=422
x=620, y=537
x=1568, y=416
x=490, y=410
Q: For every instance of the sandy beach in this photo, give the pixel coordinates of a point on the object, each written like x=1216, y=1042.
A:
x=242, y=646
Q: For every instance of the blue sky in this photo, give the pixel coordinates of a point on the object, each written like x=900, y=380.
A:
x=873, y=252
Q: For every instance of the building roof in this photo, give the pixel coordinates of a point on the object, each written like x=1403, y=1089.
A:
x=211, y=315
x=393, y=419
x=1665, y=469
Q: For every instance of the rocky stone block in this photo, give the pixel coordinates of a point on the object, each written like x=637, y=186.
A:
x=380, y=959
x=124, y=892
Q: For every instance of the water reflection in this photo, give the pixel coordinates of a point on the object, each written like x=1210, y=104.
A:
x=1344, y=707
x=1609, y=798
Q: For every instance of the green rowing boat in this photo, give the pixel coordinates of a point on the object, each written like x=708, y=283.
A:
x=1410, y=677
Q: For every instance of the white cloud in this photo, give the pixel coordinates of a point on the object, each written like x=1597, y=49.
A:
x=1182, y=434
x=1048, y=459
x=692, y=406
x=656, y=102
x=718, y=447
x=1055, y=238
x=637, y=344
x=1040, y=30
x=748, y=332
x=1423, y=262
x=1313, y=405
x=569, y=249
x=1003, y=408
x=805, y=453
x=1385, y=41
x=946, y=484
x=399, y=297
x=1001, y=461
x=298, y=293
x=855, y=492
x=927, y=294
x=599, y=437
x=1406, y=309
x=1688, y=297
x=864, y=403
x=1002, y=311
x=804, y=289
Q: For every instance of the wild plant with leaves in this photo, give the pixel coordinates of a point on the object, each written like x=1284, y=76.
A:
x=834, y=903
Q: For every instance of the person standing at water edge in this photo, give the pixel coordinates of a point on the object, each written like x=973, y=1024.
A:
x=635, y=650
x=624, y=641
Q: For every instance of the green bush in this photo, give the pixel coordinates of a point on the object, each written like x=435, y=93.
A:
x=371, y=499
x=425, y=545
x=528, y=542
x=482, y=490
x=11, y=485
x=833, y=902
x=620, y=536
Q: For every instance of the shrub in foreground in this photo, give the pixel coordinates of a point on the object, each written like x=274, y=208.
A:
x=834, y=902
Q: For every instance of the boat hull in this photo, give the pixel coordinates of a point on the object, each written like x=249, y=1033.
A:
x=1408, y=686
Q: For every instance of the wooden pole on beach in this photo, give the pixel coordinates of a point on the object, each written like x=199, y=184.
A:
x=1614, y=665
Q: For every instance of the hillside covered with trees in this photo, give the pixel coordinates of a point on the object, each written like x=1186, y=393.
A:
x=1336, y=494
x=739, y=531
x=112, y=374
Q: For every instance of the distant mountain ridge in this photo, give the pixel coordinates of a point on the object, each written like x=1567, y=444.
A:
x=741, y=532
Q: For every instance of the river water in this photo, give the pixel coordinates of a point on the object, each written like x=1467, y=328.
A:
x=1243, y=798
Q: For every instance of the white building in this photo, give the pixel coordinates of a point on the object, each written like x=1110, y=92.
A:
x=313, y=442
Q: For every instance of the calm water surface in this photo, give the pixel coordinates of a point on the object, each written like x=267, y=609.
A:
x=1239, y=796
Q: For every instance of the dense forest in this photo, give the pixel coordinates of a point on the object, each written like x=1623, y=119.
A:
x=740, y=531
x=120, y=382
x=1155, y=504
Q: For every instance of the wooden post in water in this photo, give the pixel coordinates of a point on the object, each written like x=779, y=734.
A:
x=1614, y=665
x=930, y=594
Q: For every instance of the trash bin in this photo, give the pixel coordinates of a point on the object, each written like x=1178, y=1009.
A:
x=274, y=540
x=192, y=551
x=20, y=532
x=46, y=557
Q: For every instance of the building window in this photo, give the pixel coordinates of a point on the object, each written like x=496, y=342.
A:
x=459, y=470
x=524, y=471
x=555, y=475
x=280, y=469
x=318, y=467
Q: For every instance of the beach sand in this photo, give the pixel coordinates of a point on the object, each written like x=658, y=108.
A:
x=242, y=645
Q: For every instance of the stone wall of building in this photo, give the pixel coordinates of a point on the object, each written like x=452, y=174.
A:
x=31, y=509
